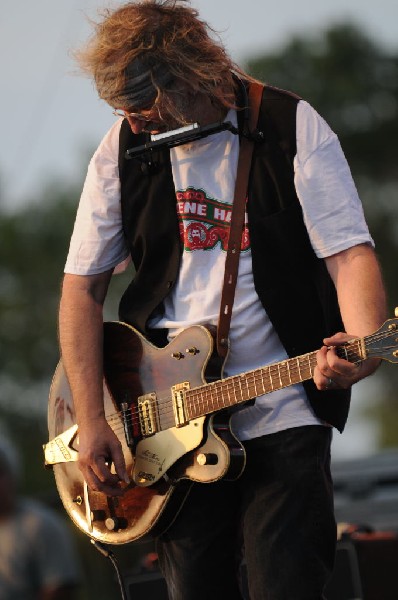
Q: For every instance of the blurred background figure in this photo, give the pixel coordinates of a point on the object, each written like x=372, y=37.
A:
x=37, y=558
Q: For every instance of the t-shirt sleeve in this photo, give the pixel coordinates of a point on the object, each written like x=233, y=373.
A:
x=98, y=243
x=332, y=210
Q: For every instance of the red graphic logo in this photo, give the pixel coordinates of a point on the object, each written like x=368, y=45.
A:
x=205, y=222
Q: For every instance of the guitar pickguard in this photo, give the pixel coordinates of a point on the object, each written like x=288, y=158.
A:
x=156, y=454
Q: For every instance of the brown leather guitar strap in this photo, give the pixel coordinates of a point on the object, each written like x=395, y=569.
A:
x=237, y=220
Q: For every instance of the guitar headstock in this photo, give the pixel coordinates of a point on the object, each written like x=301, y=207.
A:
x=384, y=342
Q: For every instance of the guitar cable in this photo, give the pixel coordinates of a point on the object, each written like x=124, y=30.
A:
x=109, y=554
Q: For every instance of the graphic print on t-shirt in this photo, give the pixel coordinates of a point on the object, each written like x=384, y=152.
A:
x=205, y=222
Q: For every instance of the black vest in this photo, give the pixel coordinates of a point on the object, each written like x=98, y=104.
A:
x=291, y=282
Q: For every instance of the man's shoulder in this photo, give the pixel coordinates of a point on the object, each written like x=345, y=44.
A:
x=277, y=118
x=272, y=92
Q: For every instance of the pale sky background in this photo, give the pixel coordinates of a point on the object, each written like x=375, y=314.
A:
x=50, y=117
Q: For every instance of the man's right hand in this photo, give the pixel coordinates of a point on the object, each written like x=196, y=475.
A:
x=99, y=449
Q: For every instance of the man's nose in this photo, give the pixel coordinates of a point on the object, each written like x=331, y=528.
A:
x=137, y=125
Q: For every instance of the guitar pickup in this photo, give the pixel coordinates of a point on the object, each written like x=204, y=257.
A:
x=148, y=414
x=178, y=393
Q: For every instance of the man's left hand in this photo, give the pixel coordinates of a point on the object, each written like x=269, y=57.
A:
x=333, y=372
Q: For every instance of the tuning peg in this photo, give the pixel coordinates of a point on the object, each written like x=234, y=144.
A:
x=396, y=311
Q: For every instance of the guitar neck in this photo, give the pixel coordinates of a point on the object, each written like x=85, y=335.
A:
x=236, y=389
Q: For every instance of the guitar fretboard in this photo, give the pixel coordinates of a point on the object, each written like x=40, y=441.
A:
x=236, y=389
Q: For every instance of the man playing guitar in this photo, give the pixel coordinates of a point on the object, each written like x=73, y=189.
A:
x=308, y=278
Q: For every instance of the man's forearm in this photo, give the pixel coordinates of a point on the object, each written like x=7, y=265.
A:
x=357, y=277
x=81, y=339
x=358, y=280
x=80, y=333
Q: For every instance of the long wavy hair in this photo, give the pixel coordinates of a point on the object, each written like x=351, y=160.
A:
x=165, y=33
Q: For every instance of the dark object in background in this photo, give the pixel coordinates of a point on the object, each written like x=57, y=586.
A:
x=366, y=507
x=366, y=568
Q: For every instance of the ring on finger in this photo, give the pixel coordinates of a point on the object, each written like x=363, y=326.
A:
x=329, y=383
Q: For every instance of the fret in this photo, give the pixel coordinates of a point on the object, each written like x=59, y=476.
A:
x=270, y=386
x=284, y=374
x=276, y=377
x=201, y=404
x=204, y=401
x=298, y=362
x=254, y=379
x=304, y=367
x=231, y=392
x=309, y=364
x=217, y=396
x=280, y=374
x=362, y=352
x=198, y=403
x=241, y=396
x=226, y=389
x=247, y=382
x=265, y=381
x=342, y=351
x=288, y=371
x=270, y=378
x=294, y=371
x=223, y=392
x=211, y=397
x=353, y=352
x=255, y=386
x=191, y=406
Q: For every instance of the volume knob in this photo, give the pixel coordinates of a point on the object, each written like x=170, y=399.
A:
x=193, y=350
x=116, y=523
x=207, y=458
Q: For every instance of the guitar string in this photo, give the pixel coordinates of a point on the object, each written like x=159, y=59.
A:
x=227, y=385
x=205, y=403
x=202, y=393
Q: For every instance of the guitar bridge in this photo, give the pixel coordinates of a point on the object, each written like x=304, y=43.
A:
x=148, y=414
x=178, y=393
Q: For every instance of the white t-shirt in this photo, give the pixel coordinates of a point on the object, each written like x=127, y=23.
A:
x=204, y=175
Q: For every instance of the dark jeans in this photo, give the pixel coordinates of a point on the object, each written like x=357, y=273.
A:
x=280, y=511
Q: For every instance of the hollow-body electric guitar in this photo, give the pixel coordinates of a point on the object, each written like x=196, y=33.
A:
x=173, y=424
